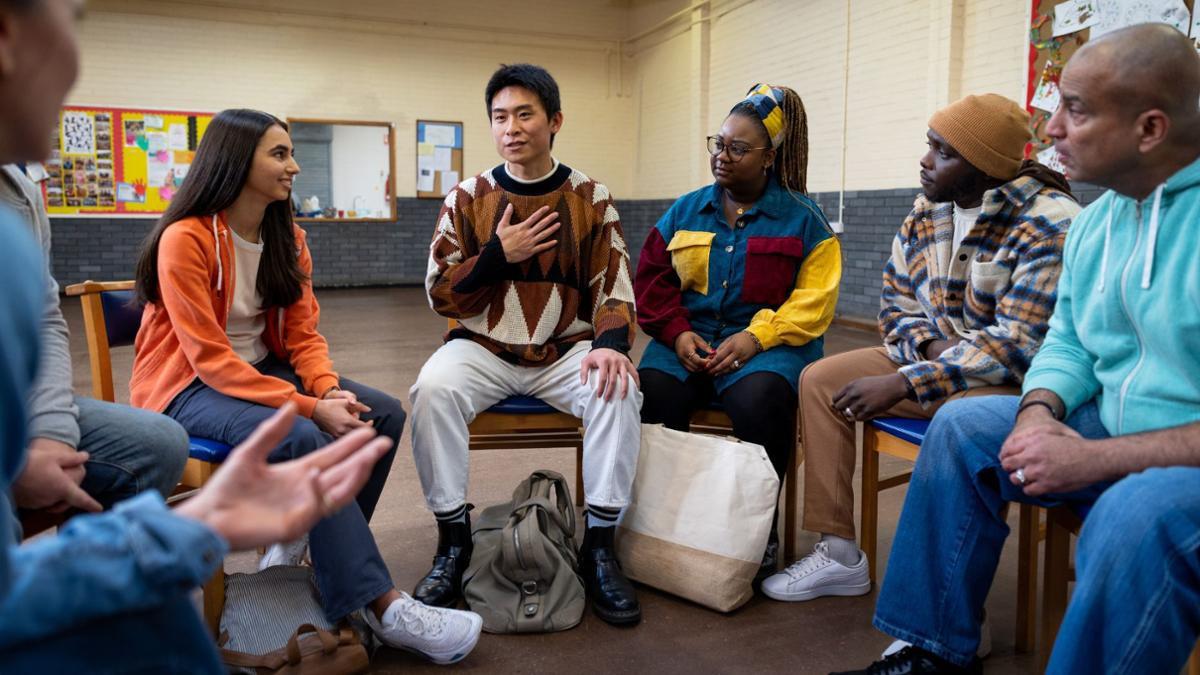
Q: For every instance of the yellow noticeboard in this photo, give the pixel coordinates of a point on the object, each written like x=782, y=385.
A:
x=119, y=160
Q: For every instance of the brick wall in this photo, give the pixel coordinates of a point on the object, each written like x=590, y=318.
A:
x=395, y=253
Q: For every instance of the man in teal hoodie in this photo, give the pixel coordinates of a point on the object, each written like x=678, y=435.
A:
x=1109, y=423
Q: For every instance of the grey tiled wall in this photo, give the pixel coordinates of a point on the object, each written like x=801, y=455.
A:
x=393, y=253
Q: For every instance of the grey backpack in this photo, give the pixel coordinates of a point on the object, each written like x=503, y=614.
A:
x=523, y=576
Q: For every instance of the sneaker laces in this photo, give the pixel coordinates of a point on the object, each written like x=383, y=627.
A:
x=421, y=619
x=810, y=563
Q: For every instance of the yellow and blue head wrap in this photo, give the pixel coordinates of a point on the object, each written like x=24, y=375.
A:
x=767, y=101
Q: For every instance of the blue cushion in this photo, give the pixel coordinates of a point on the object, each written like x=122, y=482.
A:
x=522, y=405
x=912, y=431
x=122, y=317
x=206, y=450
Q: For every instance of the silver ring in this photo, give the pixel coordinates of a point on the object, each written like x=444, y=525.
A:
x=1019, y=474
x=848, y=411
x=736, y=364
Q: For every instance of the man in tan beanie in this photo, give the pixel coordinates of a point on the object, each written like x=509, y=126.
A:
x=966, y=299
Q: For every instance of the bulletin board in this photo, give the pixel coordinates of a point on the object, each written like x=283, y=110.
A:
x=439, y=157
x=1077, y=21
x=108, y=161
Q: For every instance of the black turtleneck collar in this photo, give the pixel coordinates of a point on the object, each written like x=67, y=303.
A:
x=544, y=186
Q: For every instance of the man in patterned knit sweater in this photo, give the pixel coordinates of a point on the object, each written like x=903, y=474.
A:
x=530, y=260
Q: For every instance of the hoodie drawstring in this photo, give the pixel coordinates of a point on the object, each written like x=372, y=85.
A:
x=217, y=239
x=1104, y=256
x=1148, y=265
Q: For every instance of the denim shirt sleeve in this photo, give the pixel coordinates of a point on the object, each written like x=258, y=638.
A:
x=135, y=557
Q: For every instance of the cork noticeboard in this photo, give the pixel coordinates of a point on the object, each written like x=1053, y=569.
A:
x=439, y=157
x=1048, y=54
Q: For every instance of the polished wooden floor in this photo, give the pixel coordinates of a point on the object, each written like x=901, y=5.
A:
x=382, y=336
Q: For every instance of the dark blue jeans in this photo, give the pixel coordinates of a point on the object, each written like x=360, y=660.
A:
x=349, y=569
x=1136, y=607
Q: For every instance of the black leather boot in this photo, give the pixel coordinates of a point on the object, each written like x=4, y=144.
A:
x=442, y=586
x=770, y=560
x=613, y=597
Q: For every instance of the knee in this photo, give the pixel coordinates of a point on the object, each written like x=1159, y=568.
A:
x=1148, y=511
x=168, y=441
x=389, y=416
x=304, y=437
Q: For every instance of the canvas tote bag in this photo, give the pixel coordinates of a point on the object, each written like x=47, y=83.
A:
x=700, y=515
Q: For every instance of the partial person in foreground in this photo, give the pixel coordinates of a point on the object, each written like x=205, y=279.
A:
x=1109, y=423
x=529, y=260
x=966, y=298
x=737, y=283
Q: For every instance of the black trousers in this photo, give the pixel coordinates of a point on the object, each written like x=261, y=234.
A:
x=762, y=407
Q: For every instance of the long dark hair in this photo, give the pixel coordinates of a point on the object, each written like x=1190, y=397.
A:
x=791, y=157
x=213, y=183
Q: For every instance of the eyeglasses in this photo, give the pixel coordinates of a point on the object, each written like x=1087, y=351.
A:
x=736, y=150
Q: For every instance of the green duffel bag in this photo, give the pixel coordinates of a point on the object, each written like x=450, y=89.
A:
x=524, y=573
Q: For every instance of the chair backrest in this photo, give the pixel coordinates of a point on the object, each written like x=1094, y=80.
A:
x=111, y=318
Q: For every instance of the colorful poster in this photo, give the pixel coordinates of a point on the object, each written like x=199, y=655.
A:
x=112, y=160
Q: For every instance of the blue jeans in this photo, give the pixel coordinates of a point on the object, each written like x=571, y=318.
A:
x=350, y=571
x=952, y=528
x=131, y=450
x=169, y=638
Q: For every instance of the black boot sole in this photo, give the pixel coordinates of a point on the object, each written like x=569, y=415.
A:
x=625, y=618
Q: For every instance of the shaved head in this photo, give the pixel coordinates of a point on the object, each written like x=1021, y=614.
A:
x=1130, y=113
x=1151, y=65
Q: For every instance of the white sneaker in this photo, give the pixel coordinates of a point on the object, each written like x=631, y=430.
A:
x=985, y=642
x=817, y=575
x=287, y=553
x=440, y=635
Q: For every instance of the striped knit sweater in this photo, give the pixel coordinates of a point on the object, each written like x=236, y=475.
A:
x=530, y=313
x=996, y=292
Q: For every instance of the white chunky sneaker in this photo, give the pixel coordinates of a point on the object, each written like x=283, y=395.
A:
x=440, y=635
x=985, y=642
x=287, y=553
x=817, y=575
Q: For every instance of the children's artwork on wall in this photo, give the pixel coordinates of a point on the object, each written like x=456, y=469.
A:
x=1058, y=28
x=118, y=160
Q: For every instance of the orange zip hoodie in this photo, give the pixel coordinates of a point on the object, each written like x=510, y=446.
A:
x=182, y=336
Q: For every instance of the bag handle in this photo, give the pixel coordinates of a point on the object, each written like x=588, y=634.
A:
x=539, y=484
x=329, y=643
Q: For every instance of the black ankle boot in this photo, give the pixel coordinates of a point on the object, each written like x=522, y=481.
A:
x=613, y=597
x=442, y=586
x=770, y=560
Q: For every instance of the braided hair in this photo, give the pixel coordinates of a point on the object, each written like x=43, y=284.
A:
x=791, y=157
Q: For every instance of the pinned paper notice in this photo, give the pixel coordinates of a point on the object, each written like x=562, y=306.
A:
x=178, y=137
x=1049, y=157
x=1074, y=15
x=424, y=179
x=424, y=149
x=439, y=134
x=153, y=121
x=1047, y=96
x=441, y=159
x=449, y=180
x=156, y=142
x=156, y=172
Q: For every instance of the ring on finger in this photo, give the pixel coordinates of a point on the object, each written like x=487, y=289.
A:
x=848, y=411
x=736, y=364
x=1019, y=474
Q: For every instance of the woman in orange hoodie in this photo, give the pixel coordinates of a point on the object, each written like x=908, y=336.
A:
x=229, y=334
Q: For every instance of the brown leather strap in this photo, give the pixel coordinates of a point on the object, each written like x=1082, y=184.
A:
x=329, y=643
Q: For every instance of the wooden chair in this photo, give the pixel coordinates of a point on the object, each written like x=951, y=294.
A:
x=528, y=422
x=900, y=437
x=111, y=318
x=1061, y=524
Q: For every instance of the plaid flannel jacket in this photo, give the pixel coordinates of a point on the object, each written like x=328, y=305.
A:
x=996, y=292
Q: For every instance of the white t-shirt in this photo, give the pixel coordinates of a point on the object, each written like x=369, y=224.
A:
x=964, y=220
x=246, y=318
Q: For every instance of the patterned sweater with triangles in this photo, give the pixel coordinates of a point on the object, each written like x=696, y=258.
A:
x=530, y=313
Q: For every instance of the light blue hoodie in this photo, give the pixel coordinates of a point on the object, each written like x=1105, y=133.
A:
x=1126, y=328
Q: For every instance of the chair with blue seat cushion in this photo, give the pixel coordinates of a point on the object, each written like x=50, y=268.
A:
x=528, y=422
x=111, y=317
x=901, y=437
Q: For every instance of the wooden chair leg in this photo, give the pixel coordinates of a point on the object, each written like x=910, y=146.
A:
x=579, y=474
x=214, y=601
x=870, y=496
x=1027, y=568
x=1193, y=666
x=791, y=508
x=1054, y=587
